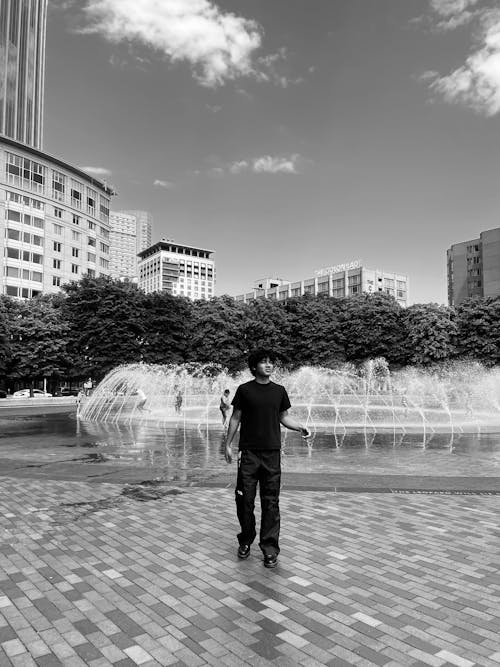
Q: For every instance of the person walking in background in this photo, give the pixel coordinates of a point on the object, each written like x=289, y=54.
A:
x=260, y=406
x=141, y=402
x=178, y=401
x=225, y=406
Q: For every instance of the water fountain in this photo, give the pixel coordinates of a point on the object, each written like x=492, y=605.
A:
x=461, y=398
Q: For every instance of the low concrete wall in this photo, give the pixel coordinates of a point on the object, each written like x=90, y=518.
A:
x=36, y=406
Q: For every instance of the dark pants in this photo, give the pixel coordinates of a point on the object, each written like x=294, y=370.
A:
x=264, y=467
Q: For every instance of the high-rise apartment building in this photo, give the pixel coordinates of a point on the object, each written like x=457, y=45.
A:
x=181, y=270
x=338, y=281
x=130, y=233
x=474, y=267
x=22, y=65
x=54, y=222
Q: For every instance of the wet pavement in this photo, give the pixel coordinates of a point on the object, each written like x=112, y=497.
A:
x=124, y=557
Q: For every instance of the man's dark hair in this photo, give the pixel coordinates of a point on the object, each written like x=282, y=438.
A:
x=258, y=355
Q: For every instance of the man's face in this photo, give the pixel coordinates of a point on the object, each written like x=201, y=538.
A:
x=265, y=367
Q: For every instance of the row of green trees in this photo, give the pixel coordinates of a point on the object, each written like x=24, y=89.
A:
x=98, y=323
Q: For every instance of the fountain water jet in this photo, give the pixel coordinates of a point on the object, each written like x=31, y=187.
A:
x=463, y=397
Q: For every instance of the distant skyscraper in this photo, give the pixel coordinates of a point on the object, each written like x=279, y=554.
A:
x=22, y=67
x=130, y=233
x=474, y=267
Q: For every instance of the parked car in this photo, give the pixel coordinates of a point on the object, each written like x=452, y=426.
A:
x=37, y=393
x=66, y=391
x=3, y=393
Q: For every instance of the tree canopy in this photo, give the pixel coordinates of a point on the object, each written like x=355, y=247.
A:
x=97, y=324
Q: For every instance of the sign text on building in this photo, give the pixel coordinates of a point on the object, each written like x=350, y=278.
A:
x=355, y=264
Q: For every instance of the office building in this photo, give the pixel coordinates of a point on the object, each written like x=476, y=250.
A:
x=54, y=222
x=22, y=65
x=474, y=267
x=340, y=280
x=179, y=269
x=130, y=233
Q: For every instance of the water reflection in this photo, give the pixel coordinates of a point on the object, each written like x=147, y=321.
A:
x=181, y=452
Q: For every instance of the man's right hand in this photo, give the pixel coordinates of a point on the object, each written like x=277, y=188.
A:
x=228, y=454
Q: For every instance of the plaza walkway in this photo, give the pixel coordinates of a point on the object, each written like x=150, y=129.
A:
x=113, y=574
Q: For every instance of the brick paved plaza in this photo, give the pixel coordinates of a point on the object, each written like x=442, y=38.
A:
x=93, y=575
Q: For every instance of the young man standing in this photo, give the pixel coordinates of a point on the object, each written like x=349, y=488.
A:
x=260, y=406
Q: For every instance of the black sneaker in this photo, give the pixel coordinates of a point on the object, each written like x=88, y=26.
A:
x=270, y=560
x=243, y=551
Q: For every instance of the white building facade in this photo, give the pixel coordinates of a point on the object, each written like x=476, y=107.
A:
x=54, y=222
x=338, y=281
x=131, y=233
x=179, y=269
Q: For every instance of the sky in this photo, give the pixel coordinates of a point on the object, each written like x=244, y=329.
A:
x=287, y=135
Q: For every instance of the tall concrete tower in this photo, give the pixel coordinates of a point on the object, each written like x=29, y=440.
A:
x=22, y=69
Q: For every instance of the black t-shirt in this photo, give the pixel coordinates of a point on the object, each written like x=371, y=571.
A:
x=260, y=405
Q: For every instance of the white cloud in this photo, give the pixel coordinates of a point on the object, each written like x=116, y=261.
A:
x=99, y=172
x=163, y=184
x=450, y=7
x=238, y=167
x=276, y=165
x=477, y=82
x=218, y=45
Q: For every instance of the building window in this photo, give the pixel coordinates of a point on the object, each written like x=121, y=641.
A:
x=36, y=276
x=58, y=186
x=104, y=209
x=25, y=173
x=56, y=263
x=14, y=234
x=104, y=248
x=74, y=252
x=74, y=268
x=56, y=281
x=13, y=216
x=104, y=263
x=38, y=223
x=57, y=246
x=11, y=290
x=92, y=225
x=91, y=242
x=76, y=194
x=58, y=230
x=13, y=253
x=58, y=213
x=76, y=219
x=104, y=232
x=12, y=272
x=91, y=201
x=91, y=257
x=75, y=235
x=36, y=259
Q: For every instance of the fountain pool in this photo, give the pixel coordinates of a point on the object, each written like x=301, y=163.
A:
x=459, y=399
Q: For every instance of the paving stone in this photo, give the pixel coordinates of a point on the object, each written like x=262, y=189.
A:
x=392, y=577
